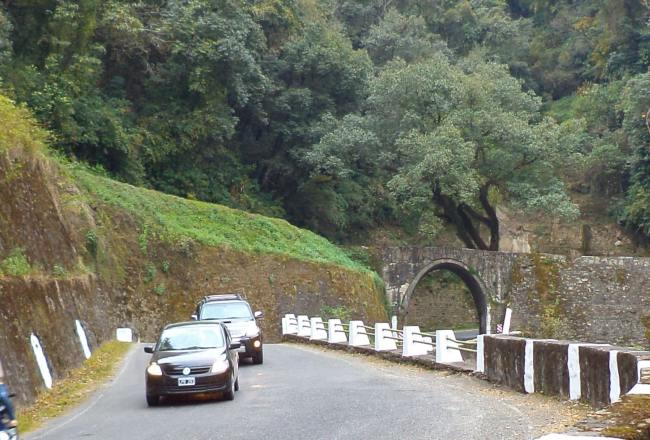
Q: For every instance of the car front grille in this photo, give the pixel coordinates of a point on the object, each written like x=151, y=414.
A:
x=175, y=370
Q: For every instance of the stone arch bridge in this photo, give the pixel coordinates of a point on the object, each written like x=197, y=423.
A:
x=600, y=299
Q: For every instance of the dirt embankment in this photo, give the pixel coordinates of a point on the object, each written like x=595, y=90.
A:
x=65, y=256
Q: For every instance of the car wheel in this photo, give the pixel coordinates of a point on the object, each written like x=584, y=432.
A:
x=230, y=394
x=153, y=400
x=258, y=358
x=237, y=384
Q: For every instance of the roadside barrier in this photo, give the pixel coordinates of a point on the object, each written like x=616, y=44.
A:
x=358, y=334
x=318, y=330
x=336, y=332
x=598, y=374
x=304, y=326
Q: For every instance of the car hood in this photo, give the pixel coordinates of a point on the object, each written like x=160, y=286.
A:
x=188, y=358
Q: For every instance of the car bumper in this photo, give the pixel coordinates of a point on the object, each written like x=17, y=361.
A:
x=167, y=385
x=248, y=345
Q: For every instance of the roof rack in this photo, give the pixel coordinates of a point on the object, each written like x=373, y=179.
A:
x=224, y=297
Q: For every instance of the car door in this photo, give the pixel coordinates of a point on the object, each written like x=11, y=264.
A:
x=233, y=355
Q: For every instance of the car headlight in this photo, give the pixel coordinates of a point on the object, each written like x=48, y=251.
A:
x=252, y=330
x=154, y=370
x=219, y=366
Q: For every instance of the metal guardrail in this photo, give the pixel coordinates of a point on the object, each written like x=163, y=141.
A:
x=433, y=344
x=428, y=335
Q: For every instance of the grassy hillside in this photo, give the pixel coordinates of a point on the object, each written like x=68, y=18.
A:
x=173, y=219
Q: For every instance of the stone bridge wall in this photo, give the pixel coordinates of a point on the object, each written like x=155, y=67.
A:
x=597, y=299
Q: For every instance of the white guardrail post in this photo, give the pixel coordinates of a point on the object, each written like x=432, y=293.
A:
x=304, y=326
x=291, y=324
x=382, y=342
x=358, y=336
x=480, y=354
x=447, y=351
x=411, y=346
x=336, y=332
x=318, y=332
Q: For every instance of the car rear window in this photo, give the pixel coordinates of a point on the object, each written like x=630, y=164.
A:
x=191, y=338
x=226, y=310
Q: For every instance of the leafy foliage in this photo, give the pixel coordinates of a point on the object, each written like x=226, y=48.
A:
x=334, y=114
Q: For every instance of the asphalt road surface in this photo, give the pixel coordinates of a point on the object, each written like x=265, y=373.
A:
x=303, y=393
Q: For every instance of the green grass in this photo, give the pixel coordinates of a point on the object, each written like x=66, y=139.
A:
x=174, y=219
x=72, y=390
x=16, y=264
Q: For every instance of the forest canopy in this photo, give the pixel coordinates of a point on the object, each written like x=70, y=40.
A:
x=346, y=115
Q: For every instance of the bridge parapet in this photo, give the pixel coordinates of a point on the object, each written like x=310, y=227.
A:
x=602, y=299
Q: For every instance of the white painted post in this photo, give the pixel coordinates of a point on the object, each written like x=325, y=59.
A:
x=382, y=343
x=82, y=338
x=506, y=321
x=41, y=361
x=529, y=368
x=292, y=324
x=447, y=351
x=573, y=365
x=393, y=322
x=480, y=353
x=336, y=332
x=304, y=327
x=284, y=325
x=318, y=332
x=358, y=336
x=124, y=334
x=411, y=347
x=614, y=380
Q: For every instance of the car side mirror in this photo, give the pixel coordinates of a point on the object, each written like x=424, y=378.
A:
x=259, y=315
x=194, y=317
x=235, y=345
x=148, y=349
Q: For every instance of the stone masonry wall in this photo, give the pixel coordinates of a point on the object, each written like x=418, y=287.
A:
x=594, y=299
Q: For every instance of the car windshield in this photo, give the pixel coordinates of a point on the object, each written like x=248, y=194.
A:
x=226, y=310
x=191, y=338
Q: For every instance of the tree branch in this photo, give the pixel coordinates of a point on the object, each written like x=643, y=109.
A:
x=493, y=224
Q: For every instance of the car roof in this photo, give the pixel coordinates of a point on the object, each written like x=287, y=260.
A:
x=194, y=323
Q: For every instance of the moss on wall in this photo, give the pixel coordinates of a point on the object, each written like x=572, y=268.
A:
x=552, y=313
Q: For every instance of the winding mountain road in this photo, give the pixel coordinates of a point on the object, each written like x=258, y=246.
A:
x=306, y=393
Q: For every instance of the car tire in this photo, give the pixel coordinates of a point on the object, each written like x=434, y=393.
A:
x=153, y=400
x=230, y=393
x=258, y=358
x=237, y=384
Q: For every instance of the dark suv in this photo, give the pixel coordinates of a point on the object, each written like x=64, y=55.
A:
x=234, y=311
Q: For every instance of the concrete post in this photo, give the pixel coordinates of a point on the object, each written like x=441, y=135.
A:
x=411, y=347
x=447, y=351
x=336, y=332
x=304, y=327
x=358, y=336
x=292, y=324
x=480, y=353
x=318, y=332
x=382, y=343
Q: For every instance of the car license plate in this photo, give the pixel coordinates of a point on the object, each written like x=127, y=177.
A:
x=186, y=381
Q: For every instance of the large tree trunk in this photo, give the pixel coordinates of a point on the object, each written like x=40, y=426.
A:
x=468, y=220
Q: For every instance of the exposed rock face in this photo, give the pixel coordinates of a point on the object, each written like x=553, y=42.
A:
x=88, y=263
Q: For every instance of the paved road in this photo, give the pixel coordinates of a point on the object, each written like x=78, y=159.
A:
x=305, y=393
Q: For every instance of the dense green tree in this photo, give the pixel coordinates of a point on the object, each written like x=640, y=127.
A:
x=458, y=138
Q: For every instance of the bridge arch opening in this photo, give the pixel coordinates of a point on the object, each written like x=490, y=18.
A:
x=470, y=280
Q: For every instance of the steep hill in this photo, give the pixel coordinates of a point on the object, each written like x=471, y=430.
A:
x=78, y=246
